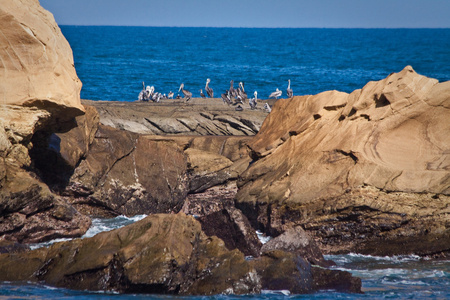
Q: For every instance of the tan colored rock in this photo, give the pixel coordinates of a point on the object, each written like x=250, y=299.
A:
x=37, y=68
x=391, y=135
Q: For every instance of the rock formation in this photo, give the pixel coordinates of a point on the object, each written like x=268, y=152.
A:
x=166, y=254
x=364, y=172
x=37, y=62
x=39, y=95
x=201, y=117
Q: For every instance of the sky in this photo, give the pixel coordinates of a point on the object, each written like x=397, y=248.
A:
x=254, y=13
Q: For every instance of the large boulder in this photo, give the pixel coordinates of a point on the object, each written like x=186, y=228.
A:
x=166, y=254
x=367, y=171
x=37, y=67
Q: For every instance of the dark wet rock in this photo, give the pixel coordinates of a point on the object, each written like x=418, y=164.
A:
x=280, y=270
x=298, y=241
x=162, y=254
x=231, y=226
x=167, y=254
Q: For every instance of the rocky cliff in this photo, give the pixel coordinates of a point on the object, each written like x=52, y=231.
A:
x=367, y=171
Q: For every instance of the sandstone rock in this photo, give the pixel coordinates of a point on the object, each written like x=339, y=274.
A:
x=37, y=62
x=125, y=173
x=346, y=156
x=202, y=117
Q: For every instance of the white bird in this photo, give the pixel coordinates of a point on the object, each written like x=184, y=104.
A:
x=267, y=107
x=289, y=91
x=186, y=93
x=276, y=94
x=209, y=90
x=170, y=95
x=253, y=101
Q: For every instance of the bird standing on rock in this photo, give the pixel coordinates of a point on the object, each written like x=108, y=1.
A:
x=186, y=93
x=201, y=94
x=289, y=91
x=209, y=90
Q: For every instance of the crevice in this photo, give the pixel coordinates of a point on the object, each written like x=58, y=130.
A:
x=348, y=154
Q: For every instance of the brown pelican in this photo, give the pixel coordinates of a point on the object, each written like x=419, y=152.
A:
x=232, y=91
x=209, y=90
x=226, y=97
x=170, y=95
x=186, y=93
x=289, y=91
x=242, y=95
x=253, y=101
x=201, y=94
x=267, y=107
x=276, y=94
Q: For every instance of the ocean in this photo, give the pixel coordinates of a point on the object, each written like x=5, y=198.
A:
x=112, y=63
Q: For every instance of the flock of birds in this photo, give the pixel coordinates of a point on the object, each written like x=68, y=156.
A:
x=233, y=96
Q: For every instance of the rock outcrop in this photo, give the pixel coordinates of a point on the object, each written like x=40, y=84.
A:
x=126, y=173
x=39, y=96
x=175, y=117
x=37, y=62
x=166, y=254
x=364, y=172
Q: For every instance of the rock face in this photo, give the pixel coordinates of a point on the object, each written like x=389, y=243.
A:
x=367, y=171
x=163, y=254
x=40, y=96
x=126, y=173
x=37, y=63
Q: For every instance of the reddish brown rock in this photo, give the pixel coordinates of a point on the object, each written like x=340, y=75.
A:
x=125, y=173
x=356, y=170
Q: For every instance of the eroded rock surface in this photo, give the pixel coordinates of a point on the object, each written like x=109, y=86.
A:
x=165, y=254
x=363, y=171
x=37, y=62
x=126, y=173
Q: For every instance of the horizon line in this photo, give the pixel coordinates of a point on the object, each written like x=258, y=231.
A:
x=246, y=27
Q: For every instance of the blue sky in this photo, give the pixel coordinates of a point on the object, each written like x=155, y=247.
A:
x=254, y=13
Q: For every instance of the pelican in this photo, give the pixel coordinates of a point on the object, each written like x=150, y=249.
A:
x=252, y=102
x=201, y=94
x=241, y=92
x=289, y=91
x=267, y=107
x=226, y=97
x=209, y=90
x=170, y=95
x=232, y=91
x=186, y=93
x=276, y=94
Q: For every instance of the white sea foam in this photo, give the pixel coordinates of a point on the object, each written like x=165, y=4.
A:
x=101, y=225
x=98, y=225
x=262, y=237
x=276, y=292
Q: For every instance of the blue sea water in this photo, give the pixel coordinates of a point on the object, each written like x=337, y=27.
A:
x=113, y=61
